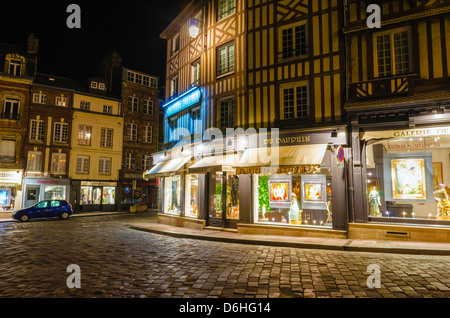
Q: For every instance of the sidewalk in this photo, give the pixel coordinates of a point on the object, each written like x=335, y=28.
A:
x=399, y=247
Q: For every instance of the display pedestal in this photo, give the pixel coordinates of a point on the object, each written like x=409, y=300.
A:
x=442, y=217
x=295, y=222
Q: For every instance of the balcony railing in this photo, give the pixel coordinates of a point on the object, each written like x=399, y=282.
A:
x=382, y=87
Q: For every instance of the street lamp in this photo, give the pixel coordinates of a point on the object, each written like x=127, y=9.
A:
x=194, y=28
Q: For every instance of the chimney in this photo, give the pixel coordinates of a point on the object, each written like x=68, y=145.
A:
x=33, y=44
x=116, y=59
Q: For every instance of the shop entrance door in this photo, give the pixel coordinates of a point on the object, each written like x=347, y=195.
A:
x=223, y=200
x=32, y=195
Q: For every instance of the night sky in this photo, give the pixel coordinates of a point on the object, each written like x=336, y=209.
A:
x=130, y=27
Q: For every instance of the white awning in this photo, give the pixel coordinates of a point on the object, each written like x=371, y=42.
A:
x=284, y=156
x=215, y=163
x=168, y=166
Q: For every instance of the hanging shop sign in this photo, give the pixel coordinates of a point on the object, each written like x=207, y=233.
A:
x=188, y=99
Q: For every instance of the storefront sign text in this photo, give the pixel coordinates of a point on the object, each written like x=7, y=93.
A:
x=288, y=140
x=186, y=100
x=423, y=132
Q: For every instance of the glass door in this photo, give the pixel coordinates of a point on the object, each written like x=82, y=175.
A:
x=224, y=199
x=32, y=195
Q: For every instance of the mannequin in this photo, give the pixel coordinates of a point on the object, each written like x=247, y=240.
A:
x=374, y=202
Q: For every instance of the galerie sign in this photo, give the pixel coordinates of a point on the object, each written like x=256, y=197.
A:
x=408, y=133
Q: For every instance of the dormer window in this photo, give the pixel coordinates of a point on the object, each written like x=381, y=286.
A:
x=15, y=67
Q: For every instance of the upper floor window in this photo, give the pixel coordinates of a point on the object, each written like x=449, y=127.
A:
x=85, y=105
x=174, y=86
x=133, y=104
x=153, y=82
x=34, y=161
x=62, y=101
x=293, y=41
x=226, y=59
x=392, y=52
x=58, y=165
x=148, y=107
x=196, y=121
x=102, y=86
x=11, y=109
x=37, y=130
x=146, y=162
x=39, y=98
x=94, y=84
x=7, y=150
x=132, y=132
x=227, y=112
x=61, y=132
x=147, y=134
x=106, y=137
x=176, y=43
x=295, y=101
x=84, y=135
x=196, y=72
x=107, y=109
x=226, y=8
x=130, y=161
x=82, y=164
x=104, y=165
x=15, y=67
x=142, y=79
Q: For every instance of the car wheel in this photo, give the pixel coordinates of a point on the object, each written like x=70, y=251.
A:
x=64, y=215
x=24, y=218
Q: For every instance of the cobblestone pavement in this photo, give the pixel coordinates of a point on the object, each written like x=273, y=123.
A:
x=117, y=261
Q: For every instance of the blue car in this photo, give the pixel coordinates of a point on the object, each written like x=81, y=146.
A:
x=44, y=209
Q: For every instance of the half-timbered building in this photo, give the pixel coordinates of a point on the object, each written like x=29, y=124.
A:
x=398, y=104
x=241, y=77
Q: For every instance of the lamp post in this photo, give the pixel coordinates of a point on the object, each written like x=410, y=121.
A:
x=194, y=28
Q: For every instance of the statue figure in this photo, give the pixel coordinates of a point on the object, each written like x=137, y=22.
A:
x=294, y=211
x=374, y=202
x=442, y=197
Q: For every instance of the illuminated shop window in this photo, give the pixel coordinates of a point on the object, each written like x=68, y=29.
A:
x=408, y=173
x=172, y=195
x=191, y=209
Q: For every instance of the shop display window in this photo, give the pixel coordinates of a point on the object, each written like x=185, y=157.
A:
x=86, y=195
x=172, y=195
x=224, y=195
x=5, y=198
x=216, y=203
x=232, y=206
x=191, y=209
x=109, y=195
x=55, y=193
x=97, y=195
x=407, y=177
x=286, y=199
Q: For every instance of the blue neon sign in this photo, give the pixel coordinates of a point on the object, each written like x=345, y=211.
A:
x=191, y=97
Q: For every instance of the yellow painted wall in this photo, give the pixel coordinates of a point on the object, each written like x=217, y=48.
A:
x=94, y=151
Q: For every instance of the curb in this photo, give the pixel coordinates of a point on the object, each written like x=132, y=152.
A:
x=345, y=247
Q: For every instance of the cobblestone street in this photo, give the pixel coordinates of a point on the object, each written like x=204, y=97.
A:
x=117, y=261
